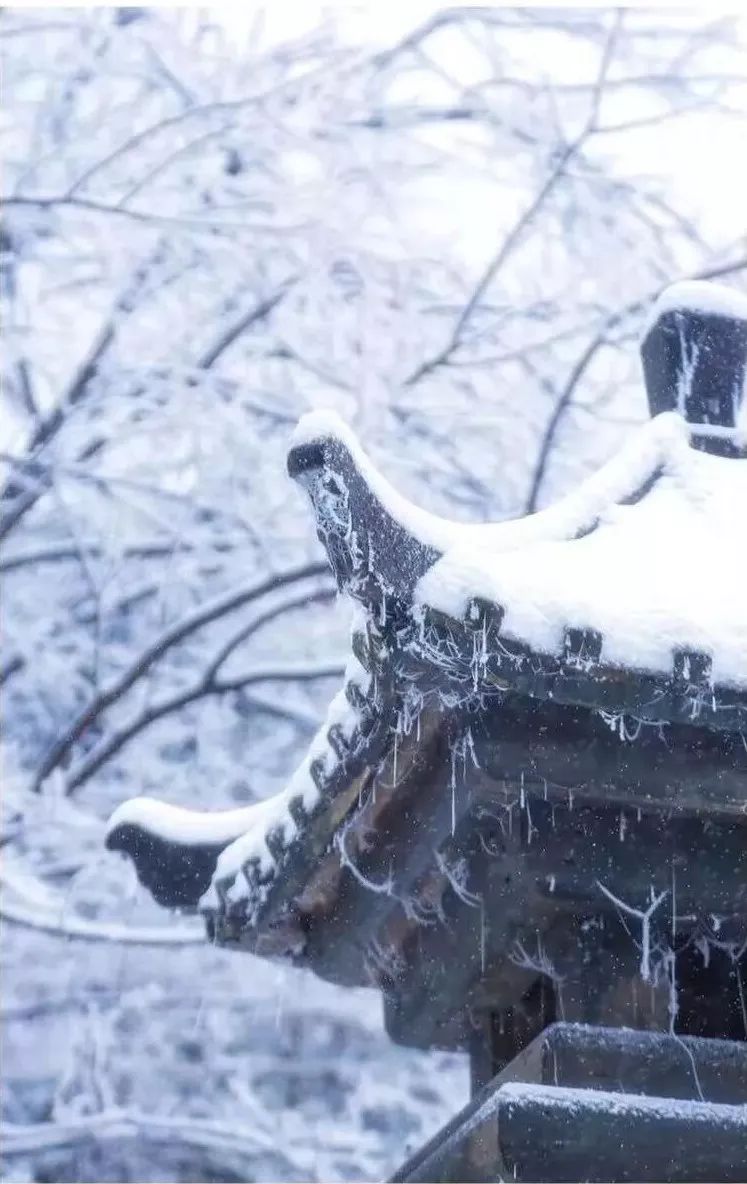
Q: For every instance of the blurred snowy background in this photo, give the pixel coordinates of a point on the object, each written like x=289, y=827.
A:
x=447, y=225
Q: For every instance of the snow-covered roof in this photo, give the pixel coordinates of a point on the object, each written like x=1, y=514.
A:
x=699, y=296
x=625, y=599
x=646, y=554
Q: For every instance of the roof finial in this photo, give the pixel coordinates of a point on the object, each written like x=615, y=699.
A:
x=694, y=354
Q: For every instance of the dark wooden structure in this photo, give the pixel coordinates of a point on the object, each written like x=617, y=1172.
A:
x=535, y=847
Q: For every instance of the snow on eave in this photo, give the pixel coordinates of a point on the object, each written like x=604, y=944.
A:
x=429, y=529
x=658, y=445
x=698, y=296
x=657, y=442
x=174, y=824
x=273, y=814
x=652, y=574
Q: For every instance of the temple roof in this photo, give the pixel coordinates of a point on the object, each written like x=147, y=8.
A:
x=598, y=648
x=643, y=557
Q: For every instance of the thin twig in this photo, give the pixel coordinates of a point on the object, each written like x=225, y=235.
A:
x=172, y=636
x=583, y=362
x=114, y=743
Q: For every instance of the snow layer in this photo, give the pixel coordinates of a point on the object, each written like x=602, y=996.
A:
x=698, y=296
x=177, y=825
x=620, y=1103
x=622, y=476
x=274, y=813
x=667, y=572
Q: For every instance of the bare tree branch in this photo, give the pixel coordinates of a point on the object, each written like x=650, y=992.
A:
x=219, y=1137
x=65, y=924
x=578, y=370
x=526, y=218
x=169, y=638
x=301, y=672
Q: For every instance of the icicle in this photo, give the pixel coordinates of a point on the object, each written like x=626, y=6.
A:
x=471, y=746
x=645, y=918
x=453, y=793
x=530, y=829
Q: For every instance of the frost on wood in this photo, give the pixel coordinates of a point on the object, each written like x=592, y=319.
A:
x=694, y=354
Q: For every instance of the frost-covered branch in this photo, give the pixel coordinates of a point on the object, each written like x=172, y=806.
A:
x=205, y=615
x=65, y=924
x=301, y=672
x=129, y=1124
x=26, y=900
x=64, y=552
x=11, y=667
x=525, y=220
x=151, y=218
x=585, y=359
x=258, y=312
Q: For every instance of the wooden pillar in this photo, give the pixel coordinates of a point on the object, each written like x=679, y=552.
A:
x=599, y=980
x=482, y=1062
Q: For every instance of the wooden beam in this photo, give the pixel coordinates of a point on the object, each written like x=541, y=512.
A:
x=491, y=895
x=554, y=1134
x=562, y=751
x=388, y=844
x=577, y=675
x=581, y=1058
x=524, y=872
x=586, y=856
x=639, y=1062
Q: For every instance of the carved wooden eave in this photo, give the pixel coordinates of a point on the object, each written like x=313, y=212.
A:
x=473, y=793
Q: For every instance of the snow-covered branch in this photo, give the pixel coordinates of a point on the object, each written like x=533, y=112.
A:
x=64, y=924
x=205, y=615
x=119, y=737
x=128, y=1124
